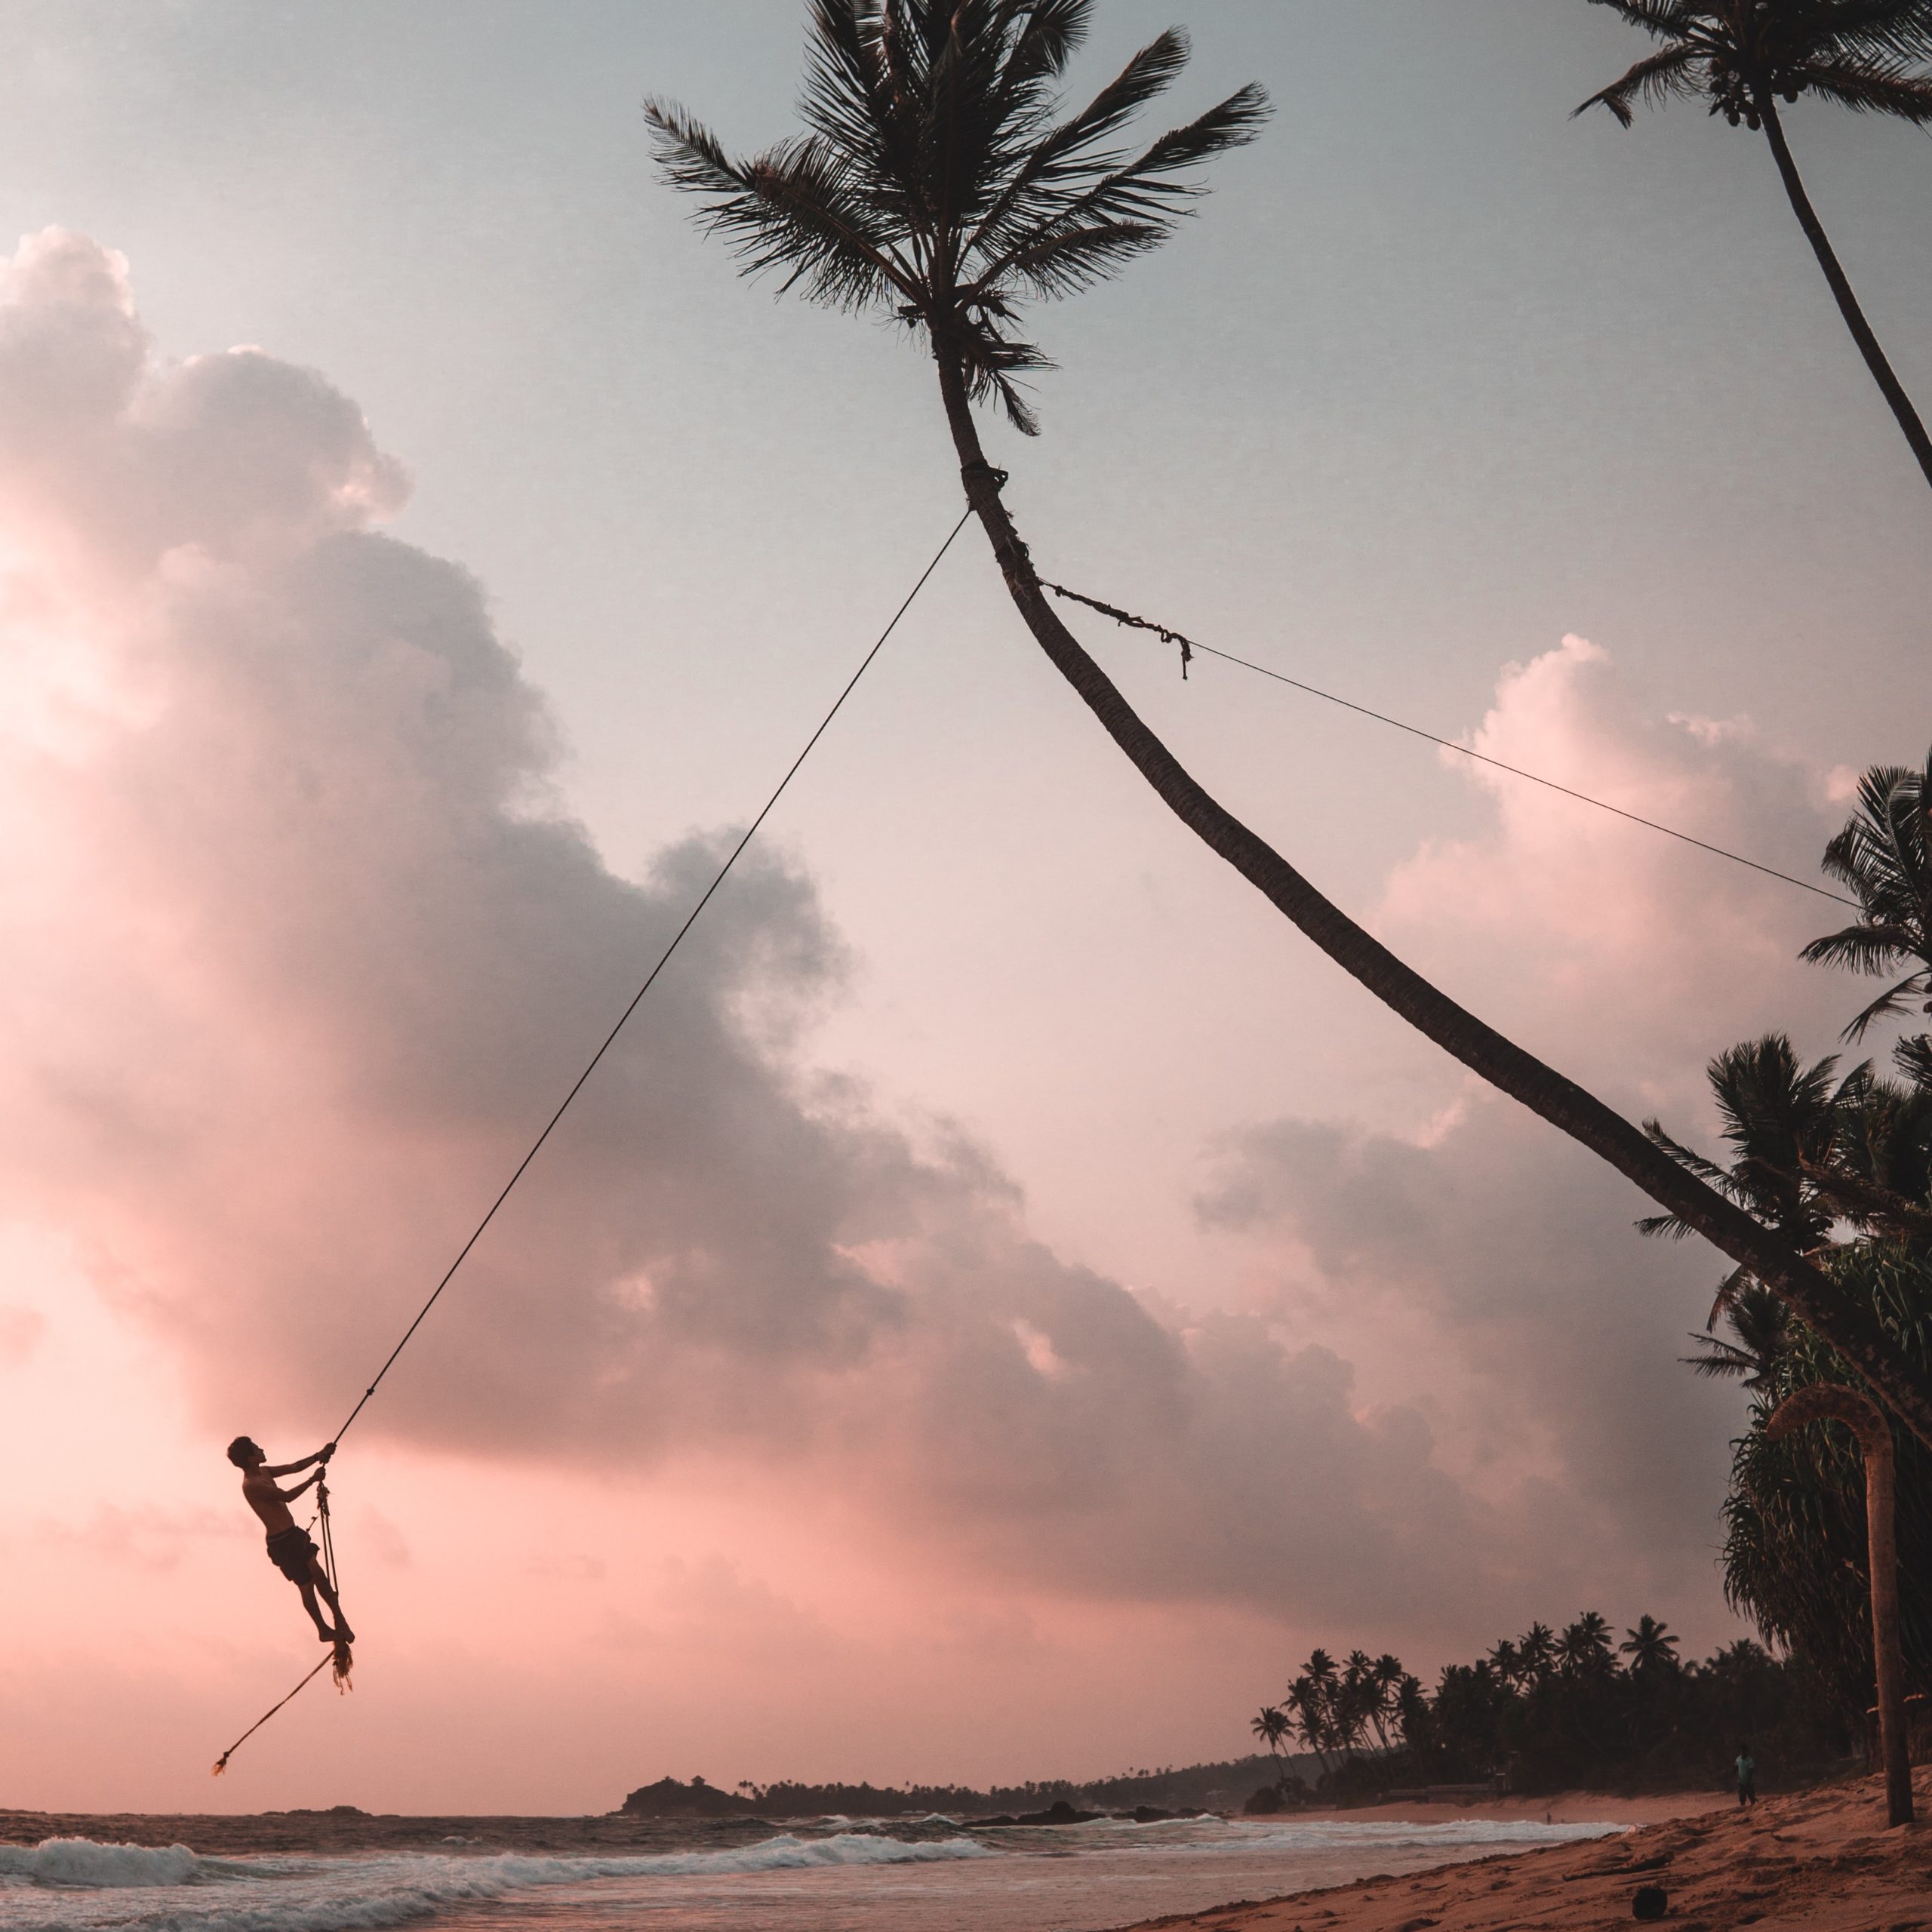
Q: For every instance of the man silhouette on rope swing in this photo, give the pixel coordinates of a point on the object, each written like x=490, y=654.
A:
x=291, y=1549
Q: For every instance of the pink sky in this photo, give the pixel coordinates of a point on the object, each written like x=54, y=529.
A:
x=780, y=1427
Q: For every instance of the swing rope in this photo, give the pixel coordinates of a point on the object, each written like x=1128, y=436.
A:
x=663, y=960
x=340, y=1656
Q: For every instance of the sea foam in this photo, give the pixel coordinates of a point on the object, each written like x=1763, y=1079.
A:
x=44, y=1886
x=81, y=1862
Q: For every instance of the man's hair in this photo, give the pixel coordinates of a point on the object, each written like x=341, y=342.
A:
x=235, y=1448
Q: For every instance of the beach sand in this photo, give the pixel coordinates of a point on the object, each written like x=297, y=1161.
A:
x=1815, y=1861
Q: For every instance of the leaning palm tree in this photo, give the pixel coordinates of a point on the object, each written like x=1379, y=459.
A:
x=937, y=183
x=1271, y=1724
x=1743, y=57
x=1309, y=1699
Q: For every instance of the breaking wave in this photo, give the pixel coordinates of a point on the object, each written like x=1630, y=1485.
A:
x=45, y=1887
x=82, y=1862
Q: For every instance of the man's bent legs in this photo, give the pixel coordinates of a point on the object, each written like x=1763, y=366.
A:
x=318, y=1581
x=309, y=1603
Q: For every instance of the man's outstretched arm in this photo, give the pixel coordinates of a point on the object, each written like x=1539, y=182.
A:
x=321, y=1455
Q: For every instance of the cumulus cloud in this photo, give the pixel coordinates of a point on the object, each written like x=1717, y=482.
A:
x=1593, y=935
x=1486, y=1266
x=1492, y=1273
x=303, y=947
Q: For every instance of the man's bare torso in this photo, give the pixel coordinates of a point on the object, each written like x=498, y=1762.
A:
x=258, y=1486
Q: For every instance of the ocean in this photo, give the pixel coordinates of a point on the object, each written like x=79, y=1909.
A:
x=830, y=1874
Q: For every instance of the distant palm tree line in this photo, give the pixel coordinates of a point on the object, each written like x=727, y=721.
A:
x=938, y=180
x=1549, y=1709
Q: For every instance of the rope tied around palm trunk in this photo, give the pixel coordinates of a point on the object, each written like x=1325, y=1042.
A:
x=1127, y=617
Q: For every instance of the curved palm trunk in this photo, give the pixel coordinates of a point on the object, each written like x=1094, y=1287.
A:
x=1822, y=1403
x=1889, y=385
x=1851, y=1330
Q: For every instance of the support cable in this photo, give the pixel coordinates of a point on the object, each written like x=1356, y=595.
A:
x=1189, y=646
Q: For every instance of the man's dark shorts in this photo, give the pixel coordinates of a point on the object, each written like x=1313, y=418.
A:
x=292, y=1551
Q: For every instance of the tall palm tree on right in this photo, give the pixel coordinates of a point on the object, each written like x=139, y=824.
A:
x=1743, y=57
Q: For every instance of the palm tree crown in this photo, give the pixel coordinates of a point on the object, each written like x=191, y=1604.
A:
x=938, y=181
x=1738, y=55
x=1784, y=1121
x=1780, y=1117
x=1650, y=1647
x=1586, y=1647
x=1885, y=854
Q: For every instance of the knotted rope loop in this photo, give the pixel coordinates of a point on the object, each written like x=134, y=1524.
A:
x=1128, y=618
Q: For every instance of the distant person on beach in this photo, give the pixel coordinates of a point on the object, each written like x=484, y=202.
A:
x=291, y=1549
x=1747, y=1776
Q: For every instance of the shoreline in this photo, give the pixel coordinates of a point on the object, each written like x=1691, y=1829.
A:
x=1820, y=1860
x=1562, y=1808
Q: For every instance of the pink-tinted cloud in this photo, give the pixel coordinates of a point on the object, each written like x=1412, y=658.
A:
x=305, y=948
x=1595, y=935
x=1486, y=1268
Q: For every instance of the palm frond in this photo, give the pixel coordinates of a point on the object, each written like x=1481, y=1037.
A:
x=1869, y=89
x=1895, y=30
x=1067, y=154
x=1652, y=80
x=1870, y=949
x=1913, y=1058
x=1717, y=1358
x=1725, y=1299
x=789, y=209
x=1064, y=264
x=1902, y=997
x=1656, y=16
x=1672, y=1227
x=1688, y=1157
x=1051, y=33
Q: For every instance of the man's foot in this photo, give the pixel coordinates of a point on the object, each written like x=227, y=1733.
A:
x=344, y=1635
x=325, y=1634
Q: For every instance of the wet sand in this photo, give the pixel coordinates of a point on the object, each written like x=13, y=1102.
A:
x=1816, y=1861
